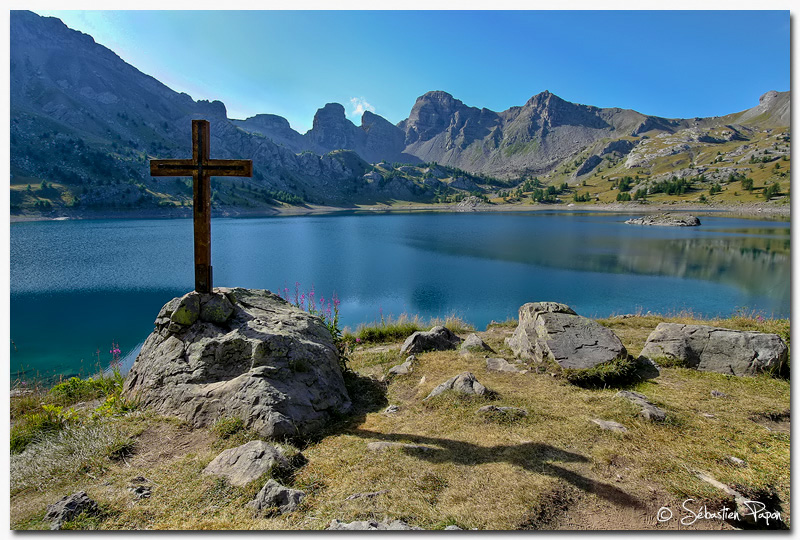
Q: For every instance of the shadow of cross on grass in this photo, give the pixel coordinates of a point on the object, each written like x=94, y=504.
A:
x=531, y=456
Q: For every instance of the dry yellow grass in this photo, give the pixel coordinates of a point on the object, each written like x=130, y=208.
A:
x=552, y=469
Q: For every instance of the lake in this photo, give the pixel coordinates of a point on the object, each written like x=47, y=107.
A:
x=78, y=286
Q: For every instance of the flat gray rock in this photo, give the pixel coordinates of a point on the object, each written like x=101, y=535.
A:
x=500, y=364
x=736, y=462
x=240, y=353
x=368, y=495
x=386, y=525
x=276, y=498
x=552, y=331
x=463, y=383
x=437, y=338
x=382, y=446
x=505, y=413
x=68, y=509
x=610, y=425
x=648, y=410
x=246, y=463
x=708, y=348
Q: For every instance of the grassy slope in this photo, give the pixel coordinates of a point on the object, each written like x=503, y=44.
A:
x=553, y=469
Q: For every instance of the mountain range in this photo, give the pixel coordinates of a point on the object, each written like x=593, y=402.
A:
x=84, y=124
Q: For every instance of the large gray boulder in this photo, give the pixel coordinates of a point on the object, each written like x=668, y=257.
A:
x=552, y=331
x=240, y=353
x=708, y=348
x=247, y=462
x=437, y=338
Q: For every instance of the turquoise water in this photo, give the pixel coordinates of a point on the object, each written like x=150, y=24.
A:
x=78, y=286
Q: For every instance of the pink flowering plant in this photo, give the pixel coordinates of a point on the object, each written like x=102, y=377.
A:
x=327, y=309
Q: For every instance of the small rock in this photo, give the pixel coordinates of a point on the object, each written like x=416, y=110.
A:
x=509, y=413
x=370, y=495
x=403, y=369
x=246, y=463
x=649, y=411
x=437, y=338
x=718, y=394
x=391, y=409
x=141, y=492
x=278, y=498
x=453, y=528
x=464, y=383
x=736, y=462
x=708, y=415
x=474, y=343
x=500, y=364
x=382, y=446
x=386, y=525
x=610, y=425
x=68, y=509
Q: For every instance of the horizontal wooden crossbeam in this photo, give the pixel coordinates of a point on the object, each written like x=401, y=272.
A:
x=214, y=167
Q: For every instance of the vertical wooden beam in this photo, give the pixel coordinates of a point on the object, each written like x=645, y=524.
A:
x=202, y=207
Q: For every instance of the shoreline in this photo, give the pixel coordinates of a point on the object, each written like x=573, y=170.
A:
x=743, y=210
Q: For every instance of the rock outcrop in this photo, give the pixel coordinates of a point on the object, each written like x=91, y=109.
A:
x=240, y=353
x=552, y=331
x=437, y=338
x=666, y=219
x=708, y=348
x=68, y=509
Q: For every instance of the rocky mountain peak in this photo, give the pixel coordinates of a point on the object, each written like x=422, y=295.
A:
x=767, y=97
x=332, y=130
x=270, y=121
x=330, y=112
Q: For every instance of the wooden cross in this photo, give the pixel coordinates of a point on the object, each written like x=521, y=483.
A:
x=201, y=168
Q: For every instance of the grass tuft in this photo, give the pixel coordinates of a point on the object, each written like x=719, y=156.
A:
x=391, y=329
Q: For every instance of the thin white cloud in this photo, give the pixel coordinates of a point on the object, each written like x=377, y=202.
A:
x=359, y=106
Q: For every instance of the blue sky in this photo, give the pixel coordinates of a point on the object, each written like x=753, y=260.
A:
x=668, y=63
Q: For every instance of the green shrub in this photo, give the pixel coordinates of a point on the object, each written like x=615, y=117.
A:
x=75, y=390
x=614, y=373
